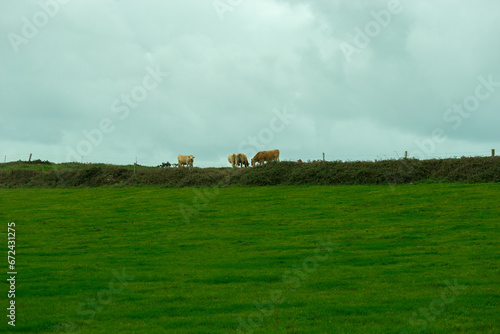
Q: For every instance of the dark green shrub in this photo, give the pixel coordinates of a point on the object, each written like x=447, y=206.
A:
x=466, y=170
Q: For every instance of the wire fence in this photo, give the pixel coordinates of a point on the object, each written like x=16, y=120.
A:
x=222, y=162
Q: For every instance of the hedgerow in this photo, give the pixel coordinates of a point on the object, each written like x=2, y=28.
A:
x=464, y=170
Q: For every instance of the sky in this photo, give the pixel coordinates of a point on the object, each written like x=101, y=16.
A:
x=123, y=81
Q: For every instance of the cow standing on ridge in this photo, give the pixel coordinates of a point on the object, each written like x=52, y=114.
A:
x=232, y=159
x=263, y=156
x=239, y=160
x=185, y=160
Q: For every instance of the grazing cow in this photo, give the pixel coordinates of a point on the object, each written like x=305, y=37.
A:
x=232, y=159
x=262, y=156
x=241, y=160
x=185, y=160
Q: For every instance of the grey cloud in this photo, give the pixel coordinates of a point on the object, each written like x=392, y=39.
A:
x=226, y=77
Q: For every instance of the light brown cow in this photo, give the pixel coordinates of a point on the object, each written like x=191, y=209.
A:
x=262, y=156
x=241, y=160
x=185, y=160
x=232, y=159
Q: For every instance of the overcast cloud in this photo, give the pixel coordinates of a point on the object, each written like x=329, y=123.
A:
x=115, y=80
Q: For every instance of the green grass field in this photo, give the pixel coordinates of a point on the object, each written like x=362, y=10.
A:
x=331, y=259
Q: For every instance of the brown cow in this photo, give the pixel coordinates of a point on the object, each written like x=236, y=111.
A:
x=241, y=160
x=262, y=156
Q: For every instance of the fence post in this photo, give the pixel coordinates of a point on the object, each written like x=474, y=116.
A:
x=492, y=152
x=406, y=154
x=29, y=160
x=323, y=156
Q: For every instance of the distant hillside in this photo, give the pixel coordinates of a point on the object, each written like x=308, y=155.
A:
x=46, y=174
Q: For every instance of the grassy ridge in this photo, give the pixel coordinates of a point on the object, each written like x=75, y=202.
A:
x=464, y=170
x=395, y=252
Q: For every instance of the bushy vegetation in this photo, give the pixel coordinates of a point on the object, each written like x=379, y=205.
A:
x=464, y=170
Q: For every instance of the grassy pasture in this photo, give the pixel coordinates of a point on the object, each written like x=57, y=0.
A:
x=294, y=259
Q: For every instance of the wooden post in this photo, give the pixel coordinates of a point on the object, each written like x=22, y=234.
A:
x=492, y=152
x=406, y=154
x=323, y=156
x=30, y=157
